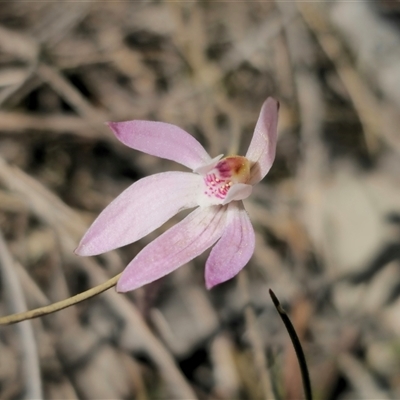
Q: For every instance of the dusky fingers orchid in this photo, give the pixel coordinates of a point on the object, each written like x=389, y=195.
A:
x=216, y=186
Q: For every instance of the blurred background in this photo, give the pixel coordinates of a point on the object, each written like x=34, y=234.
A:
x=327, y=216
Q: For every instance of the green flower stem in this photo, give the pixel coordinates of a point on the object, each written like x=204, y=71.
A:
x=60, y=305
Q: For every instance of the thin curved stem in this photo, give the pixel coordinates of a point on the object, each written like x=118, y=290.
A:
x=60, y=305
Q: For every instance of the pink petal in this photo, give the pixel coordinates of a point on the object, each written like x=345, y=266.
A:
x=239, y=191
x=141, y=208
x=263, y=145
x=161, y=140
x=206, y=168
x=233, y=250
x=177, y=246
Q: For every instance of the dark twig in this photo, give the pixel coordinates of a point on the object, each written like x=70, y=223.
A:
x=297, y=346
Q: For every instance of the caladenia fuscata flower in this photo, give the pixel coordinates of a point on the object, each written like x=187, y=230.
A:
x=216, y=186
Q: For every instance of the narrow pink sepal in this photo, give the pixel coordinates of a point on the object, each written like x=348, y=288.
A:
x=141, y=208
x=161, y=140
x=235, y=248
x=177, y=246
x=263, y=144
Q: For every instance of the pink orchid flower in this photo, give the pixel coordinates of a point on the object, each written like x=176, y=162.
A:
x=215, y=186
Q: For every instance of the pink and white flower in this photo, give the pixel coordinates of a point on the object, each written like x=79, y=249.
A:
x=215, y=186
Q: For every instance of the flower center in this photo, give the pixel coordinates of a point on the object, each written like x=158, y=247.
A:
x=230, y=170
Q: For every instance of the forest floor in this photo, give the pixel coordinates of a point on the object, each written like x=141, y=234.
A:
x=326, y=217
